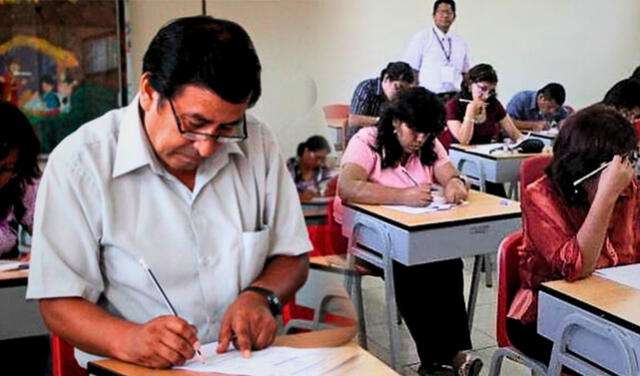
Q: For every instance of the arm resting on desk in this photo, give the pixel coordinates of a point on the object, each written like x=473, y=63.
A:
x=159, y=343
x=248, y=321
x=507, y=124
x=354, y=186
x=531, y=125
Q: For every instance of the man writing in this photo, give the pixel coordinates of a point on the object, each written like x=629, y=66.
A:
x=371, y=94
x=438, y=55
x=184, y=179
x=537, y=111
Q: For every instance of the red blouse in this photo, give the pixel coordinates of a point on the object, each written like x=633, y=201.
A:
x=550, y=249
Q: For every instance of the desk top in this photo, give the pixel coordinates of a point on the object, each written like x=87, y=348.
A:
x=481, y=207
x=551, y=135
x=336, y=122
x=616, y=302
x=13, y=278
x=364, y=364
x=483, y=150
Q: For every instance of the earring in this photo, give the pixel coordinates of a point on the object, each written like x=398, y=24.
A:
x=395, y=131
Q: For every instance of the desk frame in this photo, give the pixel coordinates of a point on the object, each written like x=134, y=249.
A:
x=380, y=240
x=23, y=315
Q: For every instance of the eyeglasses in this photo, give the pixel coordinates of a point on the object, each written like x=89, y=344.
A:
x=485, y=90
x=445, y=12
x=319, y=158
x=227, y=133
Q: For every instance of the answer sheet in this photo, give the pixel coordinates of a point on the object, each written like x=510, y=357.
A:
x=272, y=361
x=626, y=274
x=420, y=209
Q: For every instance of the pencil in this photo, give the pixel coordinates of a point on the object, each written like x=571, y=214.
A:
x=587, y=176
x=167, y=302
x=404, y=170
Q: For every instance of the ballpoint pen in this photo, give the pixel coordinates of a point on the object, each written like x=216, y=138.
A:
x=587, y=176
x=404, y=171
x=167, y=302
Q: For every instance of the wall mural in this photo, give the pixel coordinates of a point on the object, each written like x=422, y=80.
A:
x=62, y=62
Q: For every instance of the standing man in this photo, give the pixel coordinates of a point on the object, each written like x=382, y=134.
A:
x=537, y=111
x=370, y=94
x=185, y=180
x=438, y=55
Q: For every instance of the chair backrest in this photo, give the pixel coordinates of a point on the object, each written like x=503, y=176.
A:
x=532, y=168
x=508, y=282
x=337, y=116
x=63, y=362
x=338, y=243
x=336, y=111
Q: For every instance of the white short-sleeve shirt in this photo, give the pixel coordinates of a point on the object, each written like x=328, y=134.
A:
x=428, y=56
x=105, y=201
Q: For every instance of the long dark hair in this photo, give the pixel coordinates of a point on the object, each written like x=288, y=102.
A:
x=587, y=139
x=422, y=111
x=17, y=134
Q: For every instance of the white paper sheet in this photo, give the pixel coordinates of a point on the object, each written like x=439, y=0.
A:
x=420, y=209
x=272, y=361
x=10, y=265
x=626, y=274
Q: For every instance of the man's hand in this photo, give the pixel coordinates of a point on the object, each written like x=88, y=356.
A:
x=160, y=343
x=248, y=323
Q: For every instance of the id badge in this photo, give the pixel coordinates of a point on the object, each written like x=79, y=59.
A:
x=446, y=74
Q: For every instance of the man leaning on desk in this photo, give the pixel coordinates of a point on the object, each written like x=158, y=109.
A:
x=539, y=110
x=184, y=179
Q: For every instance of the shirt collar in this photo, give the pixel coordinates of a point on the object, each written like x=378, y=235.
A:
x=533, y=103
x=440, y=34
x=133, y=150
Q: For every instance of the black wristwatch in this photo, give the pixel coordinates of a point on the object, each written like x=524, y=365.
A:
x=274, y=303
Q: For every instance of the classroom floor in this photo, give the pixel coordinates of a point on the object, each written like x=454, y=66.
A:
x=483, y=333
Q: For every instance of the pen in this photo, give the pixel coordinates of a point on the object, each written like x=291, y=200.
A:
x=465, y=100
x=587, y=176
x=404, y=170
x=167, y=302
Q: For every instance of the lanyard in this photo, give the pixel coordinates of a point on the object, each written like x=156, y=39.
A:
x=446, y=56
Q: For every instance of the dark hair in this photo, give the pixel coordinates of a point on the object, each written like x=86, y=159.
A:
x=422, y=111
x=17, y=133
x=636, y=73
x=554, y=91
x=398, y=71
x=201, y=50
x=479, y=73
x=624, y=95
x=313, y=143
x=587, y=139
x=450, y=2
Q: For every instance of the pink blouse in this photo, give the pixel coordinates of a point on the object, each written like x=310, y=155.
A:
x=550, y=249
x=360, y=151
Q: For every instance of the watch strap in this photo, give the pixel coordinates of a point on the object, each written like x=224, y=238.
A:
x=275, y=306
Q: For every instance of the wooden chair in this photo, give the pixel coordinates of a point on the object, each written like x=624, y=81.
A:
x=337, y=116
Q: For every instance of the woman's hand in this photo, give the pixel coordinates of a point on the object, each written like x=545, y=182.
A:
x=615, y=178
x=475, y=108
x=417, y=196
x=307, y=195
x=455, y=191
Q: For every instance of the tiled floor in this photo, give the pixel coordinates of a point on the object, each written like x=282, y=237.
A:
x=483, y=333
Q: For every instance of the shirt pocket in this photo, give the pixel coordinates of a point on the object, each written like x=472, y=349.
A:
x=255, y=250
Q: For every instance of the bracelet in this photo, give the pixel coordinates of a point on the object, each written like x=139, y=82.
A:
x=468, y=118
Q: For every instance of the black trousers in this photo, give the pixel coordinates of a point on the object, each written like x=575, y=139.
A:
x=32, y=354
x=430, y=298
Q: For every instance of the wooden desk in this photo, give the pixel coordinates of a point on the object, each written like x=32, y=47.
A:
x=480, y=163
x=363, y=364
x=380, y=235
x=19, y=317
x=587, y=305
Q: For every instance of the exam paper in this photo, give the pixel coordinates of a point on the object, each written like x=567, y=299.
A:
x=626, y=274
x=420, y=209
x=272, y=361
x=10, y=265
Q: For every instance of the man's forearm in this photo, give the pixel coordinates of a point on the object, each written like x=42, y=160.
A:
x=284, y=275
x=93, y=329
x=530, y=125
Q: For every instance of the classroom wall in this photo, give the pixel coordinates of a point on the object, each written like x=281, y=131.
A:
x=314, y=52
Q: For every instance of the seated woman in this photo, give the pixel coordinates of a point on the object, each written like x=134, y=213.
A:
x=308, y=168
x=19, y=174
x=475, y=115
x=396, y=163
x=570, y=231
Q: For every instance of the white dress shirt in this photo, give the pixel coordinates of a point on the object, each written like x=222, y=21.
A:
x=105, y=201
x=428, y=56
